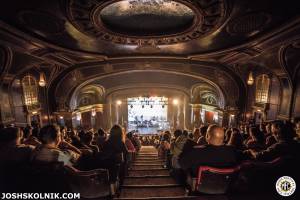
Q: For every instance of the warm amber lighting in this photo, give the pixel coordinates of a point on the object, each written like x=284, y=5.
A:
x=42, y=81
x=175, y=102
x=119, y=102
x=250, y=80
x=93, y=112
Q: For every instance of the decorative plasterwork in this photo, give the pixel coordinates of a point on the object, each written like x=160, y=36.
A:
x=85, y=16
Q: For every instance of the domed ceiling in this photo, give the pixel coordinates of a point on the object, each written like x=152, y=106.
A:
x=115, y=28
x=146, y=18
x=147, y=21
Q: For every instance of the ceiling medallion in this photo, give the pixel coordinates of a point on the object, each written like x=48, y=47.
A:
x=146, y=22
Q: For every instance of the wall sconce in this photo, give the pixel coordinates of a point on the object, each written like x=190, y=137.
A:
x=78, y=116
x=175, y=102
x=250, y=80
x=119, y=102
x=42, y=81
x=93, y=112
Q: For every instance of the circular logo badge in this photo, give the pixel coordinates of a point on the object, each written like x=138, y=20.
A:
x=285, y=186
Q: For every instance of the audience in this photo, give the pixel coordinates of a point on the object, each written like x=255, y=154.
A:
x=184, y=152
x=284, y=144
x=214, y=154
x=11, y=149
x=49, y=150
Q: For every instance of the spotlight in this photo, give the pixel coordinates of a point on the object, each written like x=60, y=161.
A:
x=175, y=101
x=119, y=102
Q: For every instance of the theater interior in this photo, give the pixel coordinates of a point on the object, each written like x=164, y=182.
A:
x=150, y=99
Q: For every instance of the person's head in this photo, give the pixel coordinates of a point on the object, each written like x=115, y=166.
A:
x=50, y=135
x=116, y=134
x=196, y=134
x=203, y=131
x=287, y=132
x=276, y=127
x=185, y=133
x=256, y=134
x=177, y=133
x=101, y=132
x=268, y=128
x=27, y=131
x=236, y=140
x=215, y=135
x=166, y=137
x=228, y=133
x=88, y=137
x=10, y=135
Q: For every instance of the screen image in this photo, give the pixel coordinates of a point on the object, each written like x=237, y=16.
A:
x=147, y=115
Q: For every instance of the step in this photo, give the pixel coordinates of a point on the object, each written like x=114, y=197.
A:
x=161, y=191
x=138, y=167
x=159, y=180
x=148, y=172
x=149, y=162
x=147, y=158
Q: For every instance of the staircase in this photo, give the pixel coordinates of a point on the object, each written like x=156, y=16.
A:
x=147, y=179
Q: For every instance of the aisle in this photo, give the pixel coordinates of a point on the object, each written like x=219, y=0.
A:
x=148, y=179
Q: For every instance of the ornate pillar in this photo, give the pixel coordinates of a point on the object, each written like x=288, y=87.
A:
x=196, y=115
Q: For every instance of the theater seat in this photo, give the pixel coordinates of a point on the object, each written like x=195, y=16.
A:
x=90, y=184
x=211, y=180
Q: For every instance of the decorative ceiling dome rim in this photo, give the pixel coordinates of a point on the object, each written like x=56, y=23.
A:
x=206, y=20
x=198, y=18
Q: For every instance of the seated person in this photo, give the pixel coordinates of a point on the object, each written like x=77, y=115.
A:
x=236, y=140
x=11, y=149
x=128, y=142
x=176, y=148
x=164, y=146
x=87, y=141
x=100, y=138
x=202, y=138
x=284, y=146
x=214, y=154
x=28, y=138
x=257, y=140
x=192, y=141
x=271, y=129
x=49, y=150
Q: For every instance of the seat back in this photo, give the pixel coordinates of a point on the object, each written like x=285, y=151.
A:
x=212, y=180
x=90, y=184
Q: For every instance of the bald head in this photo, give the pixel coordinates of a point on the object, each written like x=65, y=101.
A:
x=215, y=135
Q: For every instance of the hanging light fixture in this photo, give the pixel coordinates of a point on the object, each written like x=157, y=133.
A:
x=42, y=81
x=250, y=80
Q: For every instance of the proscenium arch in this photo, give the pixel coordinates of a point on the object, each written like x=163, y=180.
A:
x=234, y=81
x=92, y=80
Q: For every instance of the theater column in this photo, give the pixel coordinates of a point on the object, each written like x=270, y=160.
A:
x=98, y=117
x=196, y=115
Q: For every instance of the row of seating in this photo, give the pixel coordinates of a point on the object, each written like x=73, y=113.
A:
x=55, y=177
x=252, y=175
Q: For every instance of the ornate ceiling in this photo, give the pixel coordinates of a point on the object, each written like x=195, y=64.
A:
x=216, y=40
